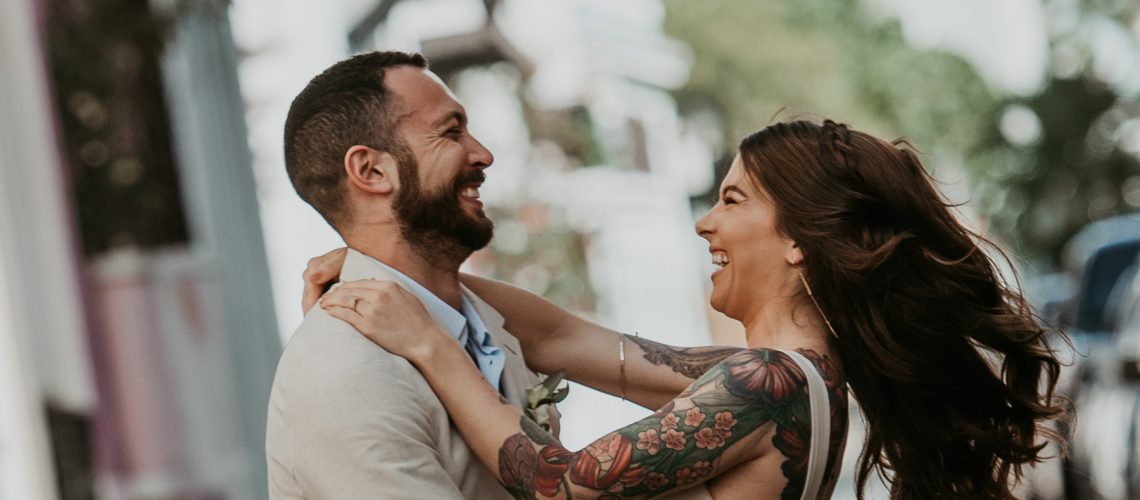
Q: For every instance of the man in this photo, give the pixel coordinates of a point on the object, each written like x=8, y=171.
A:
x=379, y=146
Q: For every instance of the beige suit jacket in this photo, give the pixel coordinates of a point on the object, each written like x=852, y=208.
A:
x=348, y=420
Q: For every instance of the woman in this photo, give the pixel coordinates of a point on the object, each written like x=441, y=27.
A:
x=832, y=246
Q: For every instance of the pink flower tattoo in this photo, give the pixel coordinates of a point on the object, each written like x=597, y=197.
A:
x=650, y=441
x=674, y=440
x=686, y=476
x=724, y=420
x=655, y=481
x=694, y=417
x=709, y=438
x=702, y=467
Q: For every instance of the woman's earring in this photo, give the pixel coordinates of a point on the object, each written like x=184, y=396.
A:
x=817, y=308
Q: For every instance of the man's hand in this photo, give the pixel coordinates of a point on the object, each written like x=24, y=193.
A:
x=320, y=274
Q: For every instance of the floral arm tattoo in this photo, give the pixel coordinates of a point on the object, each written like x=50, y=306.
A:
x=691, y=362
x=682, y=443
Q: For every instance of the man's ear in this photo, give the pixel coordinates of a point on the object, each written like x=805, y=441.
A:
x=795, y=256
x=370, y=170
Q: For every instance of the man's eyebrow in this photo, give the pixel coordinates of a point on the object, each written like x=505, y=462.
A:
x=458, y=116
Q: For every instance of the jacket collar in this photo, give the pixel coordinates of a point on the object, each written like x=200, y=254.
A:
x=357, y=266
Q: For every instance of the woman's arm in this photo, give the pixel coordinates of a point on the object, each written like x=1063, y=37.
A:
x=727, y=417
x=691, y=440
x=553, y=338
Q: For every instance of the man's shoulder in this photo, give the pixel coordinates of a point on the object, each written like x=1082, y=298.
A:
x=328, y=356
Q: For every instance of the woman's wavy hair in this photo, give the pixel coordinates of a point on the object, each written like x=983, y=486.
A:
x=947, y=360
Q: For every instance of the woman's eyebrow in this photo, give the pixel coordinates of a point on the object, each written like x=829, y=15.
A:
x=732, y=187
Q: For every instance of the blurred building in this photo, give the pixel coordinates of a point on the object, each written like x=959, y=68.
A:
x=594, y=172
x=137, y=335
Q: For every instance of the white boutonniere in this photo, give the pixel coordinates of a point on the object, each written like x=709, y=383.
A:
x=541, y=396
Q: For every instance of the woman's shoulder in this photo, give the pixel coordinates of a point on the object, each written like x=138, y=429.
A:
x=775, y=373
x=768, y=389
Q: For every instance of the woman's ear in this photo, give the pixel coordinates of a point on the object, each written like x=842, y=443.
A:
x=795, y=256
x=370, y=170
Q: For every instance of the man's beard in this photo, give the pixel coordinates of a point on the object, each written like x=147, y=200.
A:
x=434, y=223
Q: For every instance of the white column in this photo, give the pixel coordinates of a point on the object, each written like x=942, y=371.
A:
x=43, y=351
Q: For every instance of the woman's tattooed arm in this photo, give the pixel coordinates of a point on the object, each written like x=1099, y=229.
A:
x=757, y=397
x=691, y=362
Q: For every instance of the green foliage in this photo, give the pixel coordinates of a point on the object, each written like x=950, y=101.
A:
x=1045, y=192
x=752, y=63
x=755, y=58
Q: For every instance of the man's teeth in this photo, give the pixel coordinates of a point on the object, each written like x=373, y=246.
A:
x=469, y=192
x=720, y=259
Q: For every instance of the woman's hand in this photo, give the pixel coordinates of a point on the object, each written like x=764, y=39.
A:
x=388, y=315
x=321, y=272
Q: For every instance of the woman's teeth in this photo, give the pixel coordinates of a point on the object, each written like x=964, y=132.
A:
x=720, y=259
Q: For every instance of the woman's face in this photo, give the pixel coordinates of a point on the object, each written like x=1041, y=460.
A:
x=752, y=258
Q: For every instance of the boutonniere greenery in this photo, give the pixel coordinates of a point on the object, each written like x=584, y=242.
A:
x=541, y=396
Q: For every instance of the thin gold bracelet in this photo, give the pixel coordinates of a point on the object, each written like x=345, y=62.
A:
x=621, y=362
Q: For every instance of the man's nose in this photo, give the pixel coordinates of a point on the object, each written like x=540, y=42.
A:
x=478, y=155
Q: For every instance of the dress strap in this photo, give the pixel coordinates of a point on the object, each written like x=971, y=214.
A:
x=820, y=426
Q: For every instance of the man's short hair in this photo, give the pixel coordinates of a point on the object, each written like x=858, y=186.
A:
x=344, y=106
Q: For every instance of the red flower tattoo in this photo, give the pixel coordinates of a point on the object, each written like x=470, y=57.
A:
x=552, y=464
x=603, y=462
x=832, y=374
x=771, y=373
x=517, y=463
x=794, y=442
x=633, y=477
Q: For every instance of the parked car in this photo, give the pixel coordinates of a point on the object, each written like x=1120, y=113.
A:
x=1102, y=261
x=1104, y=451
x=1087, y=301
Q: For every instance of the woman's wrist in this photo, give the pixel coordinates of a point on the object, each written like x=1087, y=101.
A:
x=434, y=348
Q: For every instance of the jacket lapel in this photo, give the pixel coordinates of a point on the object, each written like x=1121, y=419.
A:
x=516, y=377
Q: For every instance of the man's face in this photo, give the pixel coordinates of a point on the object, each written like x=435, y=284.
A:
x=440, y=168
x=433, y=219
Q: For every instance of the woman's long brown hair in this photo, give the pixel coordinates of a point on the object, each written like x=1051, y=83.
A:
x=946, y=359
